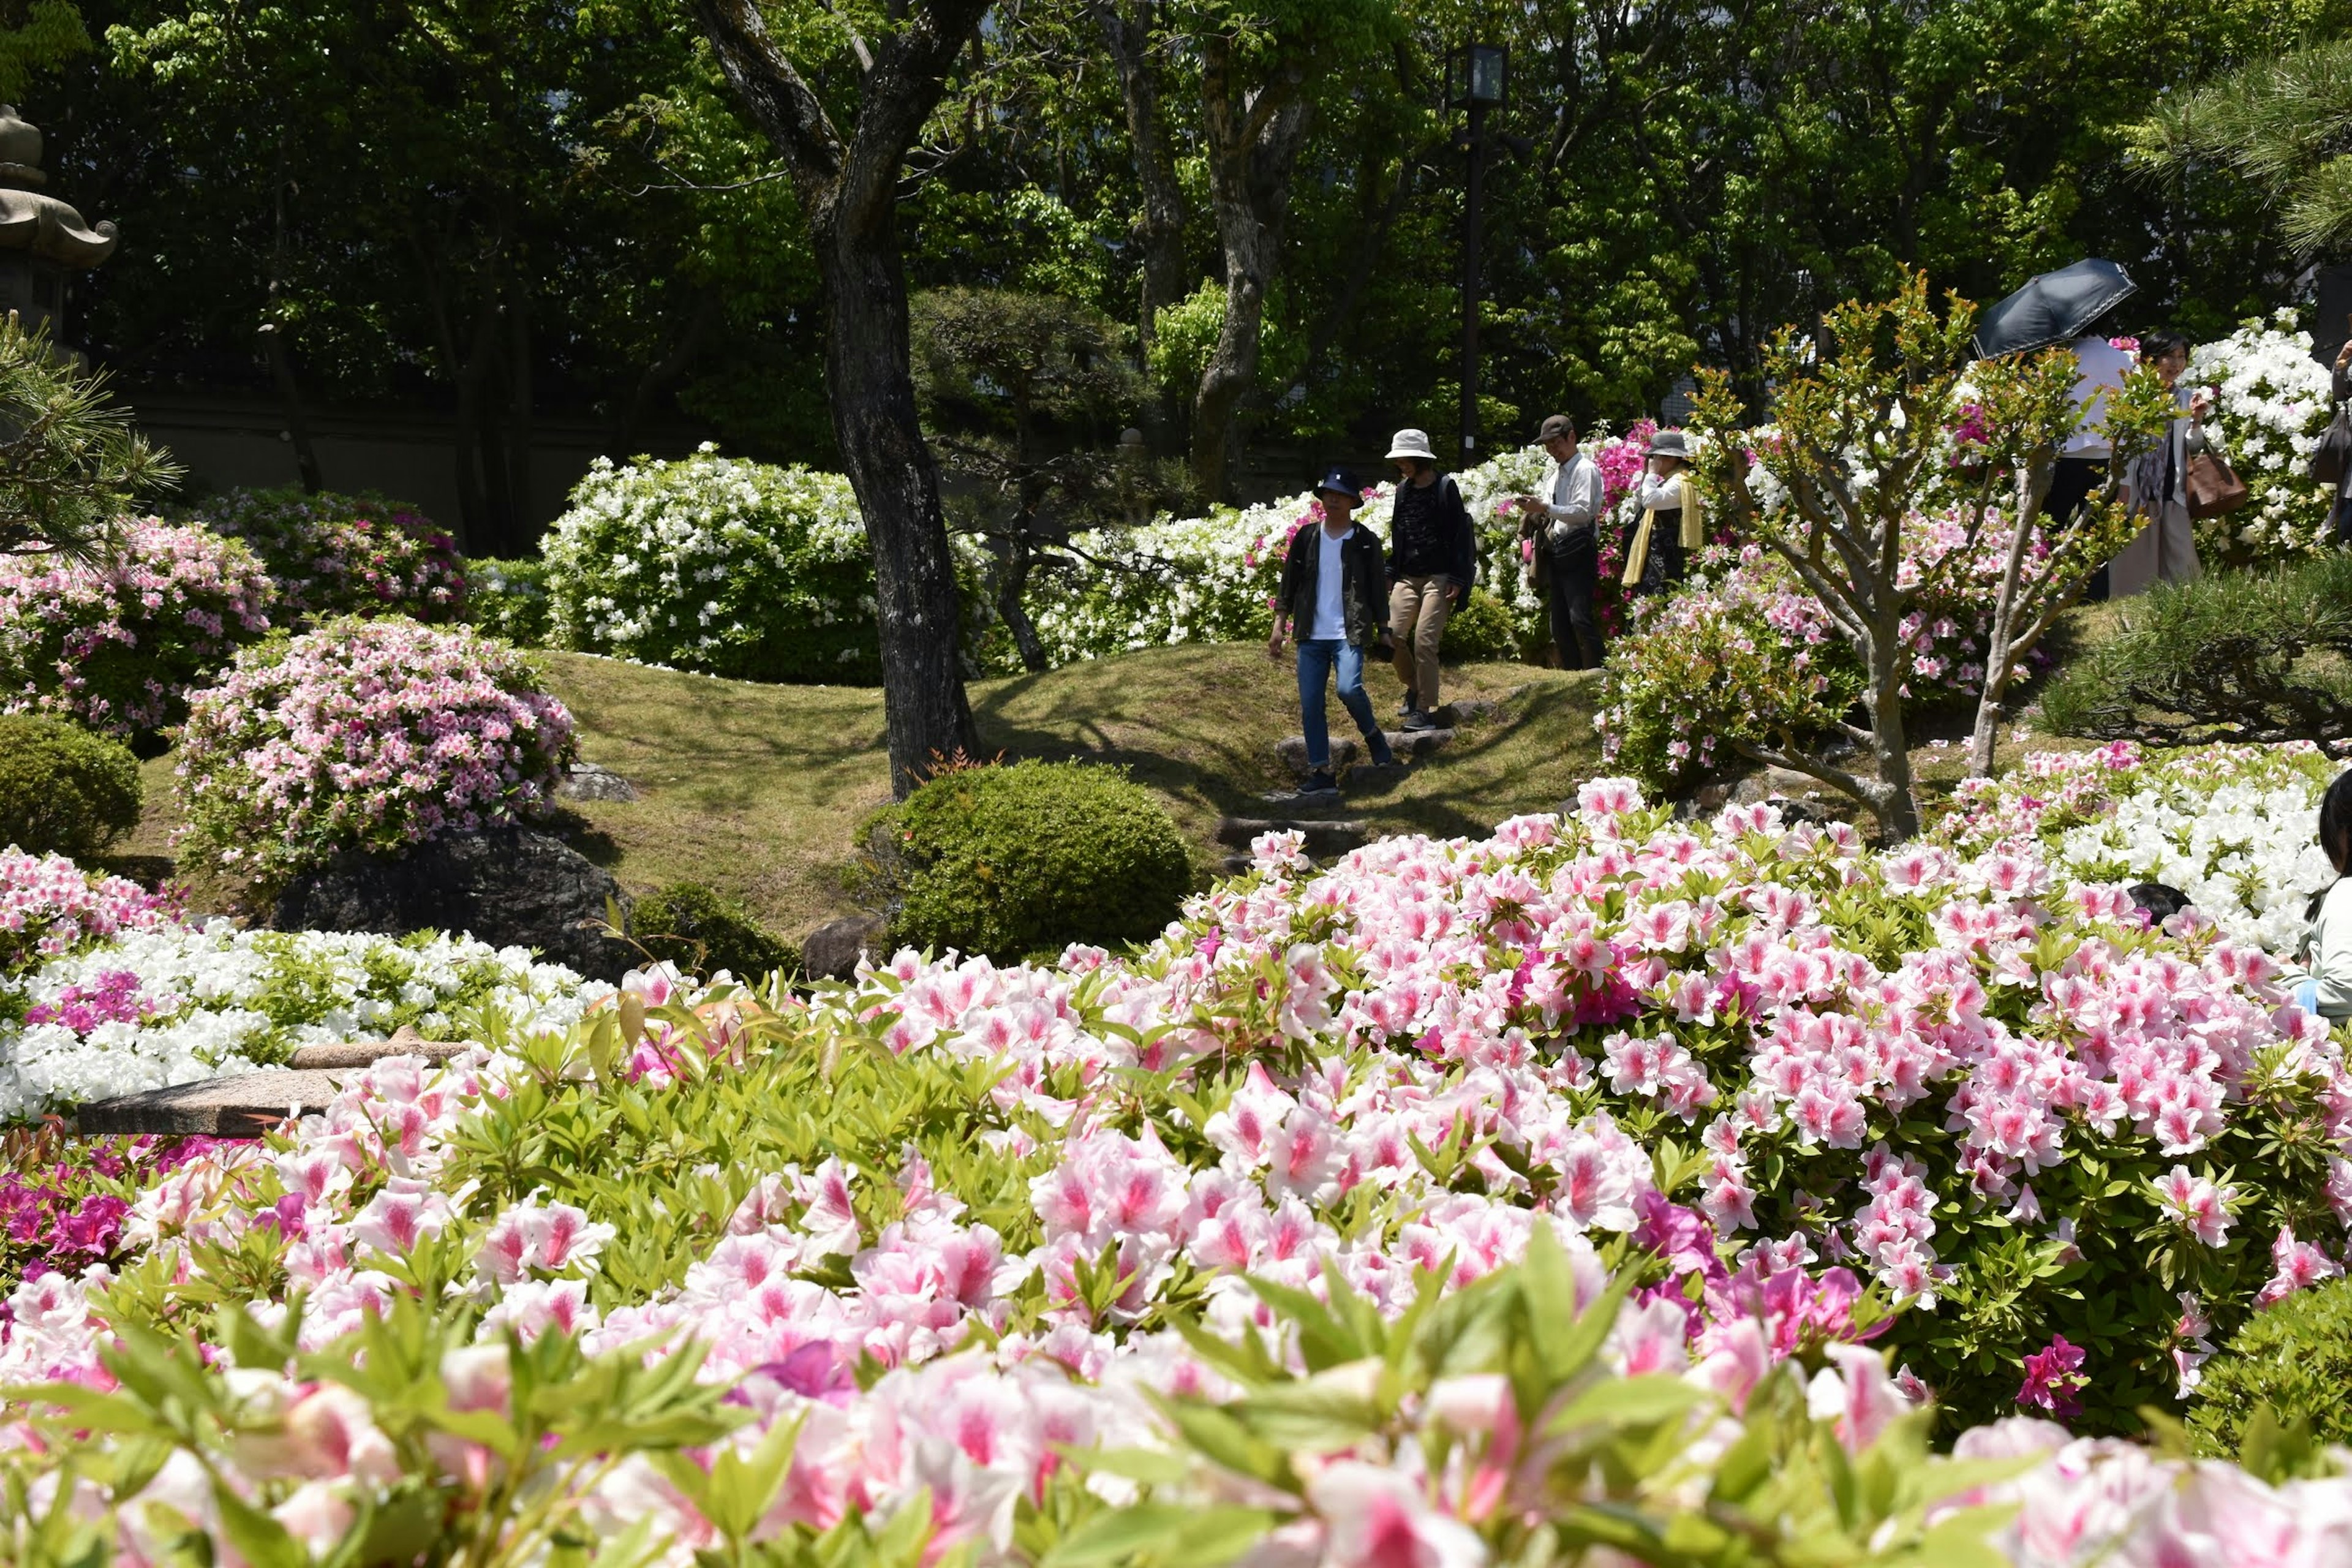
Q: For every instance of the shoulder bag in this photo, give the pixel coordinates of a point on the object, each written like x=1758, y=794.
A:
x=2214, y=488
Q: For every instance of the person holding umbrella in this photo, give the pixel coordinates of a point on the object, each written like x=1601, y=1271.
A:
x=1334, y=595
x=2158, y=483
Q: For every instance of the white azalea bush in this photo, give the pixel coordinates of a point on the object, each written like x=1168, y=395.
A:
x=145, y=999
x=2274, y=402
x=2232, y=826
x=717, y=564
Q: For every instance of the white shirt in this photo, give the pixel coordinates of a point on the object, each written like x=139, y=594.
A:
x=1576, y=492
x=2102, y=368
x=1662, y=495
x=1330, y=620
x=2326, y=955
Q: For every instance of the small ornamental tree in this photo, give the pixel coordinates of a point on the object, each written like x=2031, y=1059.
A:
x=71, y=463
x=1875, y=433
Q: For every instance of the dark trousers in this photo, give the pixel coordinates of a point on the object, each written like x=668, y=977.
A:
x=2070, y=486
x=2340, y=523
x=1665, y=566
x=1574, y=568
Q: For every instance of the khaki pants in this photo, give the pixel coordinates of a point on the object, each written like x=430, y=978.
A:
x=1419, y=608
x=2163, y=552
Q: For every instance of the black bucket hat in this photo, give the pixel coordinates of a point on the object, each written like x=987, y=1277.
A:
x=1340, y=481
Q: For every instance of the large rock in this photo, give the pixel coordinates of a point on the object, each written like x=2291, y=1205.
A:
x=507, y=887
x=831, y=951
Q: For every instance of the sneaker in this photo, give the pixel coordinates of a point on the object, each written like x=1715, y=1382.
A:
x=1417, y=720
x=1320, y=782
x=1382, y=757
x=1410, y=704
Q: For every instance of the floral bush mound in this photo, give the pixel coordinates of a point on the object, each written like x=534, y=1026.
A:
x=912, y=1267
x=2274, y=403
x=116, y=647
x=106, y=989
x=713, y=563
x=1743, y=652
x=373, y=734
x=63, y=1201
x=2232, y=826
x=335, y=554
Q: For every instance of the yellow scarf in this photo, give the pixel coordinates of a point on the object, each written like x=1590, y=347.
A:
x=1693, y=534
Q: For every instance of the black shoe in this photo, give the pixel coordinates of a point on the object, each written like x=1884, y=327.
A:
x=1320, y=782
x=1410, y=705
x=1416, y=721
x=1382, y=757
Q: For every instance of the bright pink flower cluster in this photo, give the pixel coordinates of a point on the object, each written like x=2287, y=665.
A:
x=115, y=645
x=49, y=906
x=369, y=733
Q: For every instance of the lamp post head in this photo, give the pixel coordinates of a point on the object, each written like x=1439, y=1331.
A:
x=1477, y=74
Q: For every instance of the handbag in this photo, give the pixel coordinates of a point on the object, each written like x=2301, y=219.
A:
x=2332, y=458
x=2213, y=486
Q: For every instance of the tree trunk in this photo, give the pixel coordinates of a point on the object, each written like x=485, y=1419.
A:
x=849, y=188
x=1897, y=809
x=1019, y=561
x=1127, y=33
x=1254, y=138
x=290, y=393
x=522, y=519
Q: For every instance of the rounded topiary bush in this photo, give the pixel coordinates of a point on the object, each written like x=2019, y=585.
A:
x=732, y=568
x=63, y=791
x=703, y=932
x=369, y=734
x=508, y=599
x=1481, y=631
x=336, y=554
x=1027, y=859
x=2294, y=1357
x=115, y=644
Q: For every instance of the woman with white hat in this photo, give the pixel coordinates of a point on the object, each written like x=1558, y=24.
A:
x=1432, y=560
x=1658, y=547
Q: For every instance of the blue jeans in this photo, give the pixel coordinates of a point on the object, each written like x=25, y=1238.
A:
x=1316, y=658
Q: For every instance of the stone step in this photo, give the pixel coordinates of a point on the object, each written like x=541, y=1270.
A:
x=244, y=1105
x=1291, y=750
x=1329, y=837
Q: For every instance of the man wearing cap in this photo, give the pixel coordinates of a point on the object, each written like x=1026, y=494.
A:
x=1334, y=596
x=1566, y=528
x=1432, y=559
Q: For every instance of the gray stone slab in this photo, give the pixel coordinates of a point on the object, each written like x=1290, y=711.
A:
x=1322, y=837
x=244, y=1105
x=367, y=1053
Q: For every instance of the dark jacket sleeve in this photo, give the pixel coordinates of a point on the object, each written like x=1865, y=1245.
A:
x=1376, y=580
x=1465, y=538
x=1285, y=597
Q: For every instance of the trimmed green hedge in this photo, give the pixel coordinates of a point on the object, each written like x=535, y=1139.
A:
x=64, y=791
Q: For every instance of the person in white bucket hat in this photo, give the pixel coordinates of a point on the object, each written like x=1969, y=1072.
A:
x=1432, y=560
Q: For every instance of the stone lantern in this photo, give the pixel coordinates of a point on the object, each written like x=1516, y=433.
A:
x=42, y=240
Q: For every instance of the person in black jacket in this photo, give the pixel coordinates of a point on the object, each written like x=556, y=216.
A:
x=1432, y=560
x=1334, y=595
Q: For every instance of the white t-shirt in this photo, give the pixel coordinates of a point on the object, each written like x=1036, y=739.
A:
x=2103, y=367
x=1330, y=614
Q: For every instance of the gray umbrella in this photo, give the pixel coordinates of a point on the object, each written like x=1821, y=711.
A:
x=2054, y=309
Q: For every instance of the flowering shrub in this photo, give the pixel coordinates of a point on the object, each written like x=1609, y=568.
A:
x=952, y=1313
x=168, y=1002
x=370, y=734
x=2232, y=826
x=508, y=599
x=49, y=906
x=2274, y=402
x=1744, y=653
x=717, y=564
x=336, y=554
x=116, y=647
x=63, y=1200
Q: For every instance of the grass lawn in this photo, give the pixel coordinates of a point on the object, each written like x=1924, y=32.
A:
x=758, y=790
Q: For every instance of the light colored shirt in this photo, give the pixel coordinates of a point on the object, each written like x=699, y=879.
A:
x=1576, y=492
x=2326, y=956
x=1662, y=495
x=1330, y=613
x=2101, y=367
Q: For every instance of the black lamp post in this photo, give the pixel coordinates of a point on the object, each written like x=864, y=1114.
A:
x=1478, y=77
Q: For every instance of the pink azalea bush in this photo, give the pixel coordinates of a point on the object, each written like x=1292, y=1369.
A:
x=373, y=734
x=345, y=554
x=63, y=1204
x=1150, y=1251
x=49, y=906
x=116, y=647
x=1745, y=653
